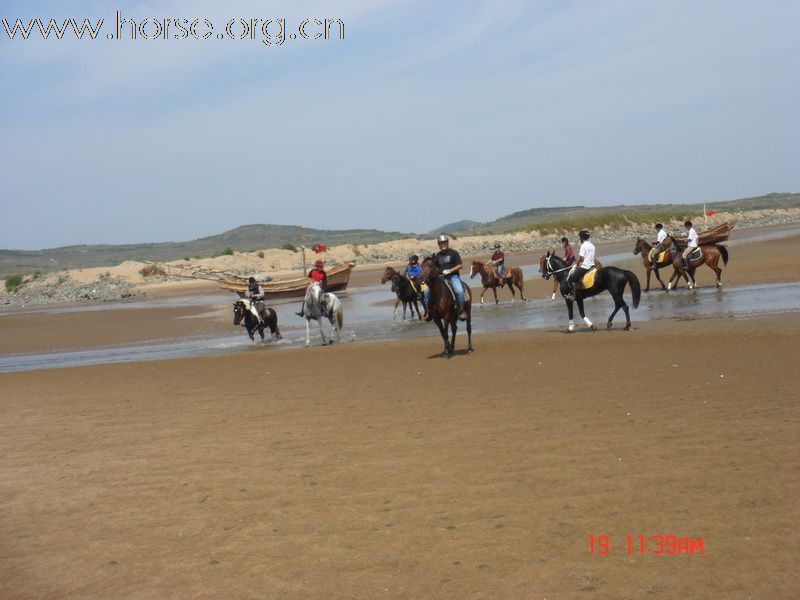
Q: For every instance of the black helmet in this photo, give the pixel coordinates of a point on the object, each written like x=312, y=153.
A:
x=252, y=280
x=687, y=224
x=413, y=258
x=584, y=234
x=497, y=245
x=564, y=240
x=443, y=239
x=659, y=226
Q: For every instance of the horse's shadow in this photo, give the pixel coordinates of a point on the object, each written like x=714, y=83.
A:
x=460, y=352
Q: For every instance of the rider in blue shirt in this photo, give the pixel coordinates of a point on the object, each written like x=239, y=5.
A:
x=413, y=268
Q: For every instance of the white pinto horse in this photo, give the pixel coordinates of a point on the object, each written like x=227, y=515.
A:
x=320, y=306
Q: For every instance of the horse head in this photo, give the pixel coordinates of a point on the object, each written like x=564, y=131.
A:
x=388, y=273
x=428, y=269
x=639, y=247
x=239, y=312
x=475, y=268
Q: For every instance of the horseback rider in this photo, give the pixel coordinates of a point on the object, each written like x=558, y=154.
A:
x=691, y=244
x=412, y=272
x=569, y=253
x=498, y=263
x=255, y=293
x=315, y=275
x=657, y=248
x=448, y=261
x=584, y=265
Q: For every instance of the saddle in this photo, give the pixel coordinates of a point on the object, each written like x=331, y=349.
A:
x=696, y=254
x=588, y=279
x=453, y=294
x=662, y=256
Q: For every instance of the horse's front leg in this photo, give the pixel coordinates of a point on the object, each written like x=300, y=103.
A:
x=482, y=293
x=453, y=328
x=571, y=313
x=396, y=304
x=649, y=271
x=308, y=332
x=443, y=333
x=322, y=332
x=261, y=332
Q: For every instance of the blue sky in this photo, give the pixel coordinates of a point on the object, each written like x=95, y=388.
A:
x=426, y=113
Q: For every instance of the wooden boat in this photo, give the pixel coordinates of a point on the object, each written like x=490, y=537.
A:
x=338, y=278
x=715, y=235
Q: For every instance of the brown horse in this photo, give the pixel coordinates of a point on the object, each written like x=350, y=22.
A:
x=643, y=248
x=442, y=306
x=709, y=255
x=490, y=280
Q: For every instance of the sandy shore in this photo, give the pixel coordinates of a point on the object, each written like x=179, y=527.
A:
x=375, y=470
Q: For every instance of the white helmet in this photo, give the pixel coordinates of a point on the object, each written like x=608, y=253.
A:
x=443, y=239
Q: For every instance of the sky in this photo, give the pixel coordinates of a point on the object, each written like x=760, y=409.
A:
x=427, y=112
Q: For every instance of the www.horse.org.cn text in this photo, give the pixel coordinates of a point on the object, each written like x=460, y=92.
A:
x=270, y=32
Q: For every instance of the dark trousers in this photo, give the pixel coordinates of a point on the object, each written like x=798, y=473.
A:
x=575, y=276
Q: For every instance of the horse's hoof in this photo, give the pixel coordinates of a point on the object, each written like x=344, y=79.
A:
x=627, y=327
x=609, y=325
x=594, y=327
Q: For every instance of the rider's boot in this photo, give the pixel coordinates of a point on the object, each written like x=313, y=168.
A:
x=301, y=312
x=462, y=316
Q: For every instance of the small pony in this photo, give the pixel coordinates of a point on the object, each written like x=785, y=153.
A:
x=244, y=316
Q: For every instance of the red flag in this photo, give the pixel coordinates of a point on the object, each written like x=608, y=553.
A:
x=711, y=212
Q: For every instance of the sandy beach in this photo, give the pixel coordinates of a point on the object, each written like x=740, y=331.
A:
x=381, y=470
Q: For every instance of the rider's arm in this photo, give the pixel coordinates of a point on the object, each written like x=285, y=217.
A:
x=455, y=269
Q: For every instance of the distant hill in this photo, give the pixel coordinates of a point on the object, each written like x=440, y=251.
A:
x=257, y=237
x=455, y=227
x=241, y=239
x=526, y=218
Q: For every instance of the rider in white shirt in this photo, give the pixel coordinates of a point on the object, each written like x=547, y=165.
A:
x=584, y=264
x=657, y=248
x=692, y=244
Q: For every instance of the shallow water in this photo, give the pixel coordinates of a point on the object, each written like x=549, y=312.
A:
x=368, y=317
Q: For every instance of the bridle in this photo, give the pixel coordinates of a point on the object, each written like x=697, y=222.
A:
x=550, y=271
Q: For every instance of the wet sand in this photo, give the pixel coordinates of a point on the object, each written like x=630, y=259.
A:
x=381, y=470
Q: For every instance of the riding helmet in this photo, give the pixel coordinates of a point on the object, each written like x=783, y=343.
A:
x=687, y=224
x=251, y=280
x=443, y=239
x=659, y=226
x=497, y=245
x=319, y=263
x=564, y=240
x=584, y=234
x=414, y=258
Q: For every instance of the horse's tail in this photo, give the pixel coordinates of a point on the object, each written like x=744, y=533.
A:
x=636, y=289
x=724, y=252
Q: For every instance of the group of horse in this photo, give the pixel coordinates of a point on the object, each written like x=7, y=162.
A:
x=317, y=306
x=442, y=308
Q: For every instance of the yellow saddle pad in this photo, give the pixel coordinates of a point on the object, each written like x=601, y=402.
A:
x=662, y=256
x=588, y=279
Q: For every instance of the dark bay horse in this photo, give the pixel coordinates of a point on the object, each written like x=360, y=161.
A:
x=490, y=281
x=709, y=255
x=244, y=316
x=608, y=278
x=643, y=248
x=442, y=306
x=405, y=292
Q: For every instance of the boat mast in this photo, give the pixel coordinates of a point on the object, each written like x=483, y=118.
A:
x=303, y=246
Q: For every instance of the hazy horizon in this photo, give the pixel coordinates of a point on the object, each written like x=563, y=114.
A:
x=424, y=114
